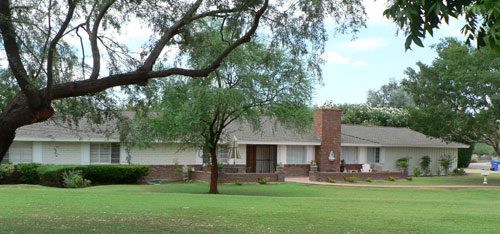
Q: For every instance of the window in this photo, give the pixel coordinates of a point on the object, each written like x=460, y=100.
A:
x=222, y=154
x=295, y=154
x=373, y=155
x=349, y=155
x=104, y=153
x=19, y=152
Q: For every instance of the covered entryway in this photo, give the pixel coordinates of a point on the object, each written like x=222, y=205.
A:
x=261, y=158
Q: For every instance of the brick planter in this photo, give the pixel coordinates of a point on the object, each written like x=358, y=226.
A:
x=166, y=172
x=296, y=170
x=226, y=178
x=339, y=176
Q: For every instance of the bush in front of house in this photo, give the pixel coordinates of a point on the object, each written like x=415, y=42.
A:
x=28, y=173
x=74, y=179
x=330, y=180
x=98, y=174
x=446, y=161
x=403, y=163
x=458, y=171
x=263, y=180
x=369, y=180
x=390, y=178
x=6, y=169
x=350, y=179
x=417, y=172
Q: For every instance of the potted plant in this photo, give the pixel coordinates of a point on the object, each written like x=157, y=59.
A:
x=220, y=167
x=280, y=167
x=314, y=166
x=403, y=164
x=342, y=165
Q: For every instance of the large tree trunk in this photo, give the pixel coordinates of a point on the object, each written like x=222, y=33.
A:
x=17, y=114
x=214, y=172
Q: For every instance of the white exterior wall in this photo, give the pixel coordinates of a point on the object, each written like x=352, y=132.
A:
x=164, y=154
x=61, y=152
x=392, y=154
x=310, y=151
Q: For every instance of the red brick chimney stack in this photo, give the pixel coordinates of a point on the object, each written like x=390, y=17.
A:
x=327, y=126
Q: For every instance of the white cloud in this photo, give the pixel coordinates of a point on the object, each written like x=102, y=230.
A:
x=359, y=63
x=361, y=90
x=364, y=44
x=374, y=11
x=335, y=58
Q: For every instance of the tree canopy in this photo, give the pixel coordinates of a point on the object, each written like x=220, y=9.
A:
x=456, y=97
x=389, y=95
x=363, y=114
x=419, y=18
x=62, y=51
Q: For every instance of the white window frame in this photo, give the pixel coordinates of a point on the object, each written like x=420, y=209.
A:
x=16, y=146
x=102, y=153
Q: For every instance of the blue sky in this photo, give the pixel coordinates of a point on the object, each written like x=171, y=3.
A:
x=376, y=56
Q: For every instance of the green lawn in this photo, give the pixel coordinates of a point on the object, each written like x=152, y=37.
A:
x=472, y=179
x=276, y=208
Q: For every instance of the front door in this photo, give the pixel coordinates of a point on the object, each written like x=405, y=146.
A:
x=266, y=157
x=251, y=156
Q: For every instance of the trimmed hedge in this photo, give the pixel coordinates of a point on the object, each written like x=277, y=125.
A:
x=98, y=174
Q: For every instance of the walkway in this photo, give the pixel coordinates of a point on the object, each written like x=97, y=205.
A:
x=305, y=180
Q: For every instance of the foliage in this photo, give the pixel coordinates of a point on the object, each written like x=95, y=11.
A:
x=438, y=172
x=238, y=183
x=350, y=179
x=446, y=161
x=390, y=178
x=369, y=180
x=74, y=179
x=313, y=163
x=98, y=174
x=417, y=172
x=330, y=180
x=361, y=114
x=66, y=56
x=409, y=178
x=390, y=95
x=417, y=18
x=458, y=171
x=263, y=180
x=464, y=156
x=425, y=162
x=403, y=163
x=28, y=173
x=483, y=149
x=456, y=96
x=6, y=169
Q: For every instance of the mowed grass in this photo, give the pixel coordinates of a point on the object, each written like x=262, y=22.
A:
x=274, y=208
x=471, y=179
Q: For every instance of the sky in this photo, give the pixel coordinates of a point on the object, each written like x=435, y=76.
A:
x=377, y=55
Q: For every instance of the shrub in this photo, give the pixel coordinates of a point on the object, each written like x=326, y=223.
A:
x=458, y=171
x=402, y=163
x=390, y=178
x=238, y=183
x=438, y=172
x=446, y=161
x=473, y=160
x=425, y=164
x=409, y=178
x=98, y=174
x=330, y=180
x=464, y=156
x=369, y=179
x=350, y=179
x=417, y=172
x=74, y=179
x=6, y=169
x=28, y=173
x=263, y=180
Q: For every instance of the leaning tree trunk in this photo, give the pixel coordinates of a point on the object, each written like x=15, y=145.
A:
x=17, y=114
x=214, y=172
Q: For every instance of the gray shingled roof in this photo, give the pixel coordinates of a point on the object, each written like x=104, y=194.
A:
x=270, y=133
x=392, y=137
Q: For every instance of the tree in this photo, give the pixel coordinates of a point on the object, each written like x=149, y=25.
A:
x=389, y=95
x=52, y=73
x=252, y=83
x=362, y=114
x=456, y=97
x=417, y=18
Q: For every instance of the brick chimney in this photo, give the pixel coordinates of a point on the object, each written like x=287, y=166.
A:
x=327, y=126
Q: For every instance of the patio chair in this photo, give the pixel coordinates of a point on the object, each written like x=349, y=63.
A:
x=366, y=168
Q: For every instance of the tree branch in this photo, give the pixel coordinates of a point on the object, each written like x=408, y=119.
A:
x=52, y=50
x=171, y=32
x=93, y=40
x=13, y=55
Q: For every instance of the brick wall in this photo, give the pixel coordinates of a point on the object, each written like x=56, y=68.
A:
x=327, y=127
x=204, y=176
x=296, y=169
x=166, y=172
x=339, y=176
x=357, y=167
